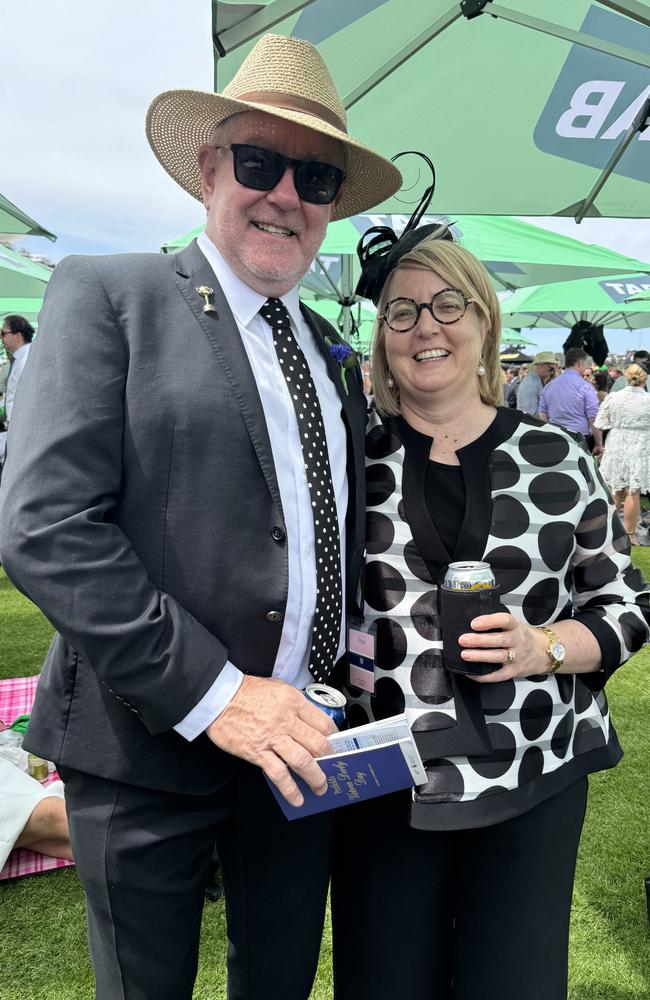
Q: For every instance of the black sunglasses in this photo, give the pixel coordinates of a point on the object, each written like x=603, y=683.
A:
x=261, y=169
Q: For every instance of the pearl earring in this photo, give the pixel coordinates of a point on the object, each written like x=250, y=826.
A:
x=390, y=381
x=481, y=367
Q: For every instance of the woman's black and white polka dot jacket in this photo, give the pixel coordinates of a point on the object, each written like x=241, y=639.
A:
x=538, y=511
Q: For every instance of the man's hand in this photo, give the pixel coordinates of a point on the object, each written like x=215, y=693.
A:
x=271, y=724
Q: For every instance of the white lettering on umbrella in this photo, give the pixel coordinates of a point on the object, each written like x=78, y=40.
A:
x=595, y=113
x=627, y=288
x=624, y=120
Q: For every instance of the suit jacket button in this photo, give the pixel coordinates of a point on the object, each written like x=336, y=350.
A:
x=274, y=616
x=277, y=533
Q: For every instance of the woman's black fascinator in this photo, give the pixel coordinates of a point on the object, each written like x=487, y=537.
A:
x=380, y=249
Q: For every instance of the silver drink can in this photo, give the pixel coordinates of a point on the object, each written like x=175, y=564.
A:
x=329, y=700
x=469, y=576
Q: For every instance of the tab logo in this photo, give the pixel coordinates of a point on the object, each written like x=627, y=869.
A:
x=596, y=98
x=625, y=288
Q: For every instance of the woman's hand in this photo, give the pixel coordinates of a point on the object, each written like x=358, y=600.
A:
x=520, y=648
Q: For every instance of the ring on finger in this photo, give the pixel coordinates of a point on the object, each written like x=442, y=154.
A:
x=511, y=656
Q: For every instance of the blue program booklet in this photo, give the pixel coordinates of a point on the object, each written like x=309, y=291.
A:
x=367, y=761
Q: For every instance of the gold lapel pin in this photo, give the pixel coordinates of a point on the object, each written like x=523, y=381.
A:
x=206, y=292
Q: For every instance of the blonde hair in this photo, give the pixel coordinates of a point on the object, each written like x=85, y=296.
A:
x=461, y=269
x=635, y=375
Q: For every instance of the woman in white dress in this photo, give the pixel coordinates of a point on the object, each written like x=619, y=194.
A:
x=625, y=465
x=31, y=815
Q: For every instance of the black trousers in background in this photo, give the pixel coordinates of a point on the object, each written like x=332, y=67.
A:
x=456, y=915
x=142, y=857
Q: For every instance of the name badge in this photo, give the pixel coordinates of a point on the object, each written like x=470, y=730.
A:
x=361, y=658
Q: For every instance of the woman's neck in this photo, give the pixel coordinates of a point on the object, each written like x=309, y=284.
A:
x=452, y=423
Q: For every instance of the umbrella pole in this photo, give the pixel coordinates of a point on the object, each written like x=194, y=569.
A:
x=640, y=124
x=250, y=27
x=631, y=8
x=337, y=293
x=472, y=8
x=453, y=13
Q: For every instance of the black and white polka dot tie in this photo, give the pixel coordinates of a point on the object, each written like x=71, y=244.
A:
x=327, y=617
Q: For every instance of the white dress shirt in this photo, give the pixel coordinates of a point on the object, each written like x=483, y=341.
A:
x=20, y=357
x=292, y=661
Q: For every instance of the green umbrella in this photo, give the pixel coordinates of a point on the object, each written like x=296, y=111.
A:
x=512, y=337
x=600, y=301
x=516, y=253
x=522, y=118
x=29, y=308
x=21, y=277
x=14, y=222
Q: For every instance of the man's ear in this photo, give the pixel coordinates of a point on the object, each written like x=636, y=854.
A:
x=207, y=159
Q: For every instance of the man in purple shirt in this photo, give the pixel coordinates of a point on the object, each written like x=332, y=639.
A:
x=570, y=401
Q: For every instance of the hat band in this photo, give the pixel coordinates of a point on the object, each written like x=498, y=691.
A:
x=290, y=102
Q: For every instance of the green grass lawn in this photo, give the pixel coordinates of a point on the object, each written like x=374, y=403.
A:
x=42, y=927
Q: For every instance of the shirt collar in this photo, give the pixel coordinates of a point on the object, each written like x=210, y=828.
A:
x=23, y=349
x=243, y=300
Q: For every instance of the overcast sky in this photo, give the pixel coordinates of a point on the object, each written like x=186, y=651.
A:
x=77, y=78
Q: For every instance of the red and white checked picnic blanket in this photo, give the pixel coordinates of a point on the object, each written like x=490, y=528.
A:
x=16, y=698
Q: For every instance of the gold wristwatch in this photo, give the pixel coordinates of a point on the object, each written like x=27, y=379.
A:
x=556, y=650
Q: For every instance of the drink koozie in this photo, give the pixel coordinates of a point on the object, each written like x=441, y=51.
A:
x=457, y=609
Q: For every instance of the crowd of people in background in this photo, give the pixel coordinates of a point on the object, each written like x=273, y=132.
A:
x=608, y=405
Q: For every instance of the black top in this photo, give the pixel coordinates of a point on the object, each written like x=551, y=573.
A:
x=445, y=494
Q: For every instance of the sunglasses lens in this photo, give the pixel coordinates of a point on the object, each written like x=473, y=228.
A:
x=257, y=168
x=316, y=182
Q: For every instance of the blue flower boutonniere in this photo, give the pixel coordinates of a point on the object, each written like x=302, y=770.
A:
x=344, y=356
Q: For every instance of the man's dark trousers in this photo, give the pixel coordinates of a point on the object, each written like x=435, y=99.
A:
x=142, y=857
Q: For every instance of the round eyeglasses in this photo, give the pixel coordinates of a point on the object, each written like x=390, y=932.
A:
x=447, y=306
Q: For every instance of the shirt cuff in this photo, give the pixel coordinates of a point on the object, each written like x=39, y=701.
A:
x=212, y=704
x=609, y=648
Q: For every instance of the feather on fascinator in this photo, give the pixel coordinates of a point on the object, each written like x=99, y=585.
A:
x=380, y=249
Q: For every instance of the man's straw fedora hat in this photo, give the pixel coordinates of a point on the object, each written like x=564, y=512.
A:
x=284, y=77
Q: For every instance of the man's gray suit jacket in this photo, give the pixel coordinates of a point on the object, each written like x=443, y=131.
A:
x=140, y=511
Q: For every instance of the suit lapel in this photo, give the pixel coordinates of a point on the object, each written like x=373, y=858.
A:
x=352, y=400
x=317, y=326
x=193, y=270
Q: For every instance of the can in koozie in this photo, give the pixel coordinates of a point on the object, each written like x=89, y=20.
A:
x=329, y=700
x=469, y=576
x=469, y=590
